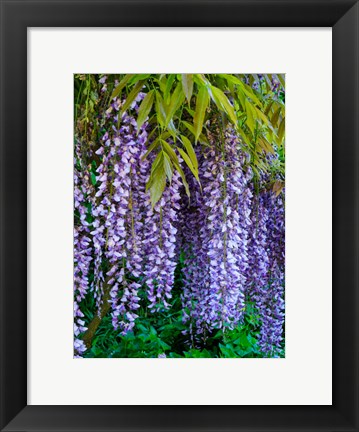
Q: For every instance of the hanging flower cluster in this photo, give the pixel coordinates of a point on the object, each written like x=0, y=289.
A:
x=160, y=246
x=265, y=277
x=215, y=238
x=133, y=243
x=272, y=300
x=83, y=250
x=233, y=238
x=231, y=235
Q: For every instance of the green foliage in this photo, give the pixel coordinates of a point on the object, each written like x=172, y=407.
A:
x=179, y=107
x=161, y=333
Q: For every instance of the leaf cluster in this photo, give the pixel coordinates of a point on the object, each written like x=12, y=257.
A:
x=180, y=108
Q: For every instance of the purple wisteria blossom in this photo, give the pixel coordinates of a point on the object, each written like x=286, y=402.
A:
x=82, y=242
x=273, y=299
x=266, y=269
x=228, y=235
x=216, y=226
x=137, y=241
x=121, y=193
x=160, y=245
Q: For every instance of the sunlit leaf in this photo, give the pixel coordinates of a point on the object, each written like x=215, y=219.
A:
x=121, y=85
x=160, y=109
x=169, y=150
x=268, y=108
x=223, y=104
x=158, y=184
x=281, y=78
x=189, y=163
x=151, y=148
x=244, y=136
x=275, y=116
x=201, y=107
x=187, y=85
x=176, y=100
x=281, y=130
x=170, y=80
x=250, y=93
x=266, y=146
x=145, y=108
x=202, y=138
x=132, y=96
x=260, y=115
x=138, y=77
x=172, y=154
x=250, y=119
x=167, y=164
x=190, y=150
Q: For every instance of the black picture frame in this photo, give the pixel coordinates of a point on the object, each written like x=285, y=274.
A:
x=16, y=17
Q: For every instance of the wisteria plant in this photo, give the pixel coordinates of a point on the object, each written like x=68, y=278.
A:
x=179, y=223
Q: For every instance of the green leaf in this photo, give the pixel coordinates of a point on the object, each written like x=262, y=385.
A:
x=93, y=179
x=275, y=116
x=281, y=131
x=222, y=102
x=187, y=85
x=132, y=96
x=201, y=107
x=202, y=138
x=231, y=78
x=160, y=109
x=167, y=164
x=244, y=136
x=162, y=81
x=190, y=111
x=144, y=109
x=248, y=91
x=266, y=111
x=281, y=78
x=170, y=80
x=189, y=126
x=138, y=77
x=266, y=145
x=150, y=148
x=163, y=345
x=169, y=150
x=176, y=100
x=121, y=85
x=155, y=143
x=190, y=150
x=158, y=161
x=158, y=183
x=250, y=119
x=174, y=158
x=183, y=177
x=261, y=115
x=189, y=163
x=242, y=99
x=227, y=351
x=201, y=80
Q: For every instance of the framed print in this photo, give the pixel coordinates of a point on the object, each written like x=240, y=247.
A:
x=182, y=166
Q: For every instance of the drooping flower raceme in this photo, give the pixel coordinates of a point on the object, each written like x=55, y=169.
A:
x=82, y=243
x=122, y=188
x=265, y=288
x=216, y=239
x=160, y=246
x=135, y=240
x=230, y=233
x=273, y=299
